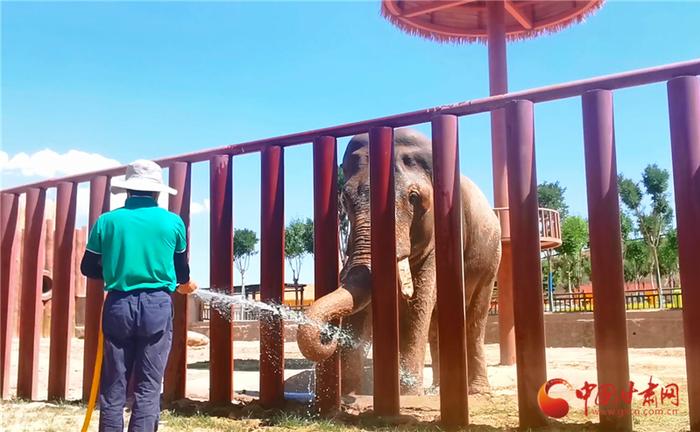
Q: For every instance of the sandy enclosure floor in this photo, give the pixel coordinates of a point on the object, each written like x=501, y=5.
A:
x=576, y=365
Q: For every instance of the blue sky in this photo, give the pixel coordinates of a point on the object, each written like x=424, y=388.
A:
x=119, y=81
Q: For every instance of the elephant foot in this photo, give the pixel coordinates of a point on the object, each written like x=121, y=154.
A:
x=479, y=386
x=411, y=382
x=348, y=399
x=412, y=390
x=411, y=387
x=433, y=390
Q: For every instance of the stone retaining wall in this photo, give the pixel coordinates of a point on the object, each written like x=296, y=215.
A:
x=645, y=329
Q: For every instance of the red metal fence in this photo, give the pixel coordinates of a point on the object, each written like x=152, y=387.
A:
x=611, y=341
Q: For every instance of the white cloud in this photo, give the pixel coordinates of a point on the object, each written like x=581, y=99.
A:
x=47, y=163
x=197, y=208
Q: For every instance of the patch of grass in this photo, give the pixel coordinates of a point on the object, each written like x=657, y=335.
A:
x=287, y=420
x=490, y=414
x=200, y=422
x=21, y=416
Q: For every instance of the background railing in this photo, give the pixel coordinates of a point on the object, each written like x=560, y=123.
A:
x=596, y=96
x=238, y=313
x=584, y=302
x=549, y=226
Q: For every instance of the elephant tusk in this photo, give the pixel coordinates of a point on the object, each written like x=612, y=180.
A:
x=405, y=278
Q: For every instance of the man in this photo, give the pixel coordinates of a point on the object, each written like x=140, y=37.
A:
x=140, y=251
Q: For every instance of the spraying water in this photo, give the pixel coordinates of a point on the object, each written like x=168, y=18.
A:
x=228, y=306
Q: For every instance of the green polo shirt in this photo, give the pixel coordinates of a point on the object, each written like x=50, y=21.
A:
x=137, y=243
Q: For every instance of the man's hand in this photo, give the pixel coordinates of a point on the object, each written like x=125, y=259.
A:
x=187, y=288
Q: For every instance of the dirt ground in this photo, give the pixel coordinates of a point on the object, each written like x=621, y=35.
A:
x=495, y=411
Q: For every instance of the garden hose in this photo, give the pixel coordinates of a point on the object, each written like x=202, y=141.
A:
x=94, y=388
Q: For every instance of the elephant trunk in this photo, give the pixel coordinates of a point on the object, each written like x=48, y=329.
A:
x=354, y=294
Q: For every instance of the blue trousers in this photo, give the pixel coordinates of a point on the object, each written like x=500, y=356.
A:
x=138, y=332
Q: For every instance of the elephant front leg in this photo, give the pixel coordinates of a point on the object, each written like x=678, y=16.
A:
x=353, y=351
x=414, y=317
x=478, y=377
x=434, y=349
x=477, y=316
x=412, y=357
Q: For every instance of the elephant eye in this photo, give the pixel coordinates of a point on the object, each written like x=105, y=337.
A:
x=414, y=197
x=408, y=161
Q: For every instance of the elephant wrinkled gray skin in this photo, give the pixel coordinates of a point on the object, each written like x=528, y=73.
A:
x=416, y=261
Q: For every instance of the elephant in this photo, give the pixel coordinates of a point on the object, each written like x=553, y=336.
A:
x=415, y=250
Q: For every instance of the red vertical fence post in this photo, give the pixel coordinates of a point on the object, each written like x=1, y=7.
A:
x=326, y=259
x=175, y=381
x=385, y=312
x=272, y=276
x=607, y=275
x=30, y=307
x=525, y=246
x=94, y=291
x=449, y=273
x=684, y=113
x=498, y=84
x=221, y=279
x=8, y=285
x=63, y=291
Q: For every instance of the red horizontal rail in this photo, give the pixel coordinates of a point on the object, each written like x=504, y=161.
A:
x=541, y=94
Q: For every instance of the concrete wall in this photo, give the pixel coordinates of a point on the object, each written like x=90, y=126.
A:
x=79, y=281
x=247, y=330
x=645, y=329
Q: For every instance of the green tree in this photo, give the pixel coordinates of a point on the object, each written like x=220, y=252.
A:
x=626, y=226
x=551, y=196
x=668, y=257
x=244, y=242
x=574, y=236
x=635, y=254
x=637, y=262
x=651, y=223
x=298, y=242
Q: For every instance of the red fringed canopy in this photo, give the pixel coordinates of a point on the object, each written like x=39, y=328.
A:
x=466, y=20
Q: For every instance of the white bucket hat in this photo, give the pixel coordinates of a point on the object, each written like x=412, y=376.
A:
x=142, y=175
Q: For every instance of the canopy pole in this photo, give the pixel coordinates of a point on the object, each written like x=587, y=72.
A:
x=498, y=84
